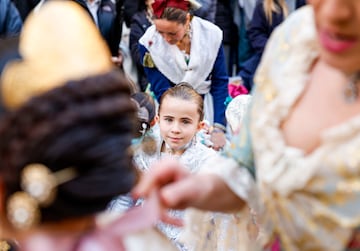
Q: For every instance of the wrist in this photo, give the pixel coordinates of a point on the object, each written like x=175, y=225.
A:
x=219, y=128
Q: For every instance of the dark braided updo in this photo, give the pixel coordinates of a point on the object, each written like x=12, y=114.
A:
x=86, y=124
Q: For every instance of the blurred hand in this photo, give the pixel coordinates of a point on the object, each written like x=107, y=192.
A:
x=163, y=177
x=217, y=137
x=118, y=61
x=179, y=189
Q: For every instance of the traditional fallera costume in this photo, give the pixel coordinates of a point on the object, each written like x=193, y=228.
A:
x=166, y=65
x=303, y=201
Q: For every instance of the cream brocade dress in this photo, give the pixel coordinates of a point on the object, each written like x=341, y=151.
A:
x=311, y=202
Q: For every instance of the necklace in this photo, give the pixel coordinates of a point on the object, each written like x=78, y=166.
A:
x=351, y=91
x=185, y=43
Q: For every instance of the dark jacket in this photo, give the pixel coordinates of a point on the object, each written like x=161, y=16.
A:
x=10, y=20
x=130, y=8
x=258, y=34
x=260, y=29
x=138, y=26
x=224, y=19
x=207, y=10
x=110, y=22
x=25, y=7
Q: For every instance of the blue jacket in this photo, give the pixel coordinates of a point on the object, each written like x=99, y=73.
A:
x=10, y=19
x=139, y=24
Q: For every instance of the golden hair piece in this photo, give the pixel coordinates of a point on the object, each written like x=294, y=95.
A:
x=58, y=43
x=22, y=211
x=39, y=189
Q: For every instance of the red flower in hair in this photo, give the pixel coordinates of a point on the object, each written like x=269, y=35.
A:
x=160, y=5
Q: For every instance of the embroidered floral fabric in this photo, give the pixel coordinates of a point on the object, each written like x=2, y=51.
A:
x=311, y=202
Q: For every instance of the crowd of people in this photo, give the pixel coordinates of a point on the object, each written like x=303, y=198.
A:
x=179, y=157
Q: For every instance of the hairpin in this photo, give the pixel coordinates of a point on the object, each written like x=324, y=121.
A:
x=38, y=185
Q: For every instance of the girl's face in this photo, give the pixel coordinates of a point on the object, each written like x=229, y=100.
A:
x=338, y=27
x=179, y=121
x=171, y=31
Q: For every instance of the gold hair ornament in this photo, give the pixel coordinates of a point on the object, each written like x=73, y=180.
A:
x=39, y=189
x=54, y=50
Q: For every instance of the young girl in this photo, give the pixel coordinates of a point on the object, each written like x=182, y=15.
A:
x=180, y=117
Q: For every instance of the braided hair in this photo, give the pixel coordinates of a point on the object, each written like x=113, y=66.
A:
x=86, y=124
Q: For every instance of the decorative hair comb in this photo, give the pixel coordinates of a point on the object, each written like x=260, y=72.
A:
x=38, y=189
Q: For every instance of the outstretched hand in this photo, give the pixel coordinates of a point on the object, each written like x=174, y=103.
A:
x=180, y=189
x=166, y=176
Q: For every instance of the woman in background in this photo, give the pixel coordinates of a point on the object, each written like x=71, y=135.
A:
x=179, y=48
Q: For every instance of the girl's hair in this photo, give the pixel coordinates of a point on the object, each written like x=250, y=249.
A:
x=87, y=125
x=175, y=15
x=186, y=92
x=146, y=111
x=277, y=6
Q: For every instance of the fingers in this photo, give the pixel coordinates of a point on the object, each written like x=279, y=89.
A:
x=218, y=139
x=161, y=174
x=181, y=194
x=168, y=219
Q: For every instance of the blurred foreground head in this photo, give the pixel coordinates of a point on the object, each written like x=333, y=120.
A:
x=57, y=44
x=69, y=121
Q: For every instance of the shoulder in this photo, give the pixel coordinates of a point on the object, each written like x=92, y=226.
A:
x=149, y=36
x=205, y=25
x=139, y=17
x=206, y=31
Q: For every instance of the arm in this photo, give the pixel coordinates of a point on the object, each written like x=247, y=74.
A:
x=219, y=87
x=259, y=30
x=179, y=189
x=139, y=24
x=137, y=29
x=159, y=83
